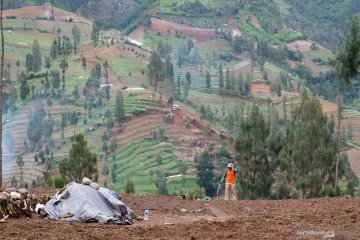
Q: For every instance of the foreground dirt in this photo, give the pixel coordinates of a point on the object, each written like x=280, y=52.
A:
x=216, y=219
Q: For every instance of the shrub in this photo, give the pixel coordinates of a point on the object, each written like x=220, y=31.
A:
x=129, y=186
x=331, y=192
x=197, y=192
x=59, y=182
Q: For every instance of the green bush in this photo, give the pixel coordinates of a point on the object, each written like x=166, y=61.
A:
x=129, y=186
x=331, y=192
x=59, y=182
x=197, y=192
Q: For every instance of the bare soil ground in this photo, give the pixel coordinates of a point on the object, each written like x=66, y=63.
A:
x=42, y=11
x=300, y=45
x=169, y=28
x=217, y=219
x=261, y=88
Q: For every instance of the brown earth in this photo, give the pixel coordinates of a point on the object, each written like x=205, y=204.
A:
x=261, y=88
x=41, y=11
x=169, y=28
x=217, y=219
x=300, y=45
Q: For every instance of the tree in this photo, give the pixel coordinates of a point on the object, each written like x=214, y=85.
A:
x=205, y=173
x=347, y=67
x=80, y=163
x=36, y=56
x=221, y=78
x=169, y=70
x=156, y=70
x=119, y=107
x=208, y=79
x=83, y=62
x=179, y=62
x=186, y=89
x=129, y=186
x=76, y=37
x=228, y=84
x=20, y=162
x=24, y=88
x=188, y=77
x=29, y=62
x=54, y=50
x=64, y=66
x=255, y=178
x=310, y=149
x=160, y=184
x=241, y=84
x=55, y=80
x=76, y=92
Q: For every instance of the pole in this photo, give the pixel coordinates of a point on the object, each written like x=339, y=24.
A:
x=1, y=81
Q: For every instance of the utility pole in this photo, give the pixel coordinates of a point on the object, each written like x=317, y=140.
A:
x=1, y=81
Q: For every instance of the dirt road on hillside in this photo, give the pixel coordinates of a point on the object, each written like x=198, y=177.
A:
x=175, y=218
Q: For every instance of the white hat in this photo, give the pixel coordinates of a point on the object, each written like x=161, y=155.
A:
x=230, y=165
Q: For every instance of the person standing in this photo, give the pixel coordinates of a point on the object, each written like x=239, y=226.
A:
x=230, y=182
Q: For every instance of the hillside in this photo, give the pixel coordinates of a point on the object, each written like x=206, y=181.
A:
x=219, y=64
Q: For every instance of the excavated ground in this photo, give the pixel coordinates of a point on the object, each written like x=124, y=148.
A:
x=175, y=218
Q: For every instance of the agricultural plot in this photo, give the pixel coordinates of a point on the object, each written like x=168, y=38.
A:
x=130, y=71
x=138, y=161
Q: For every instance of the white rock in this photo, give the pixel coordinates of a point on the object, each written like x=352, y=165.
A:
x=15, y=195
x=95, y=185
x=86, y=181
x=183, y=210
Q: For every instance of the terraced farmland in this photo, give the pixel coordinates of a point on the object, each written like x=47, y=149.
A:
x=138, y=161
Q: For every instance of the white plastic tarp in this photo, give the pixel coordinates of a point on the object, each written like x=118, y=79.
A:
x=78, y=202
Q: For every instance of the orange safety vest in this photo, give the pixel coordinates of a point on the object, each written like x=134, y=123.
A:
x=230, y=176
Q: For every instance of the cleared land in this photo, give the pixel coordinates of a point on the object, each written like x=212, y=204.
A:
x=216, y=219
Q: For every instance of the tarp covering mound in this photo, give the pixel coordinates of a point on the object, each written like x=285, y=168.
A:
x=79, y=202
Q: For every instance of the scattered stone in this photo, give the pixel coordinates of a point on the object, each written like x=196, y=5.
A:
x=95, y=185
x=102, y=221
x=15, y=195
x=86, y=181
x=348, y=196
x=199, y=210
x=23, y=191
x=183, y=210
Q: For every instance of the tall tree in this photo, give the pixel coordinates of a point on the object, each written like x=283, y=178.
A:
x=119, y=107
x=188, y=77
x=205, y=173
x=221, y=78
x=208, y=79
x=228, y=84
x=24, y=88
x=310, y=149
x=81, y=162
x=36, y=56
x=347, y=67
x=76, y=37
x=1, y=77
x=64, y=66
x=156, y=70
x=255, y=178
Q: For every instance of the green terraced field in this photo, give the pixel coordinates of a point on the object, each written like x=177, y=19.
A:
x=138, y=161
x=122, y=67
